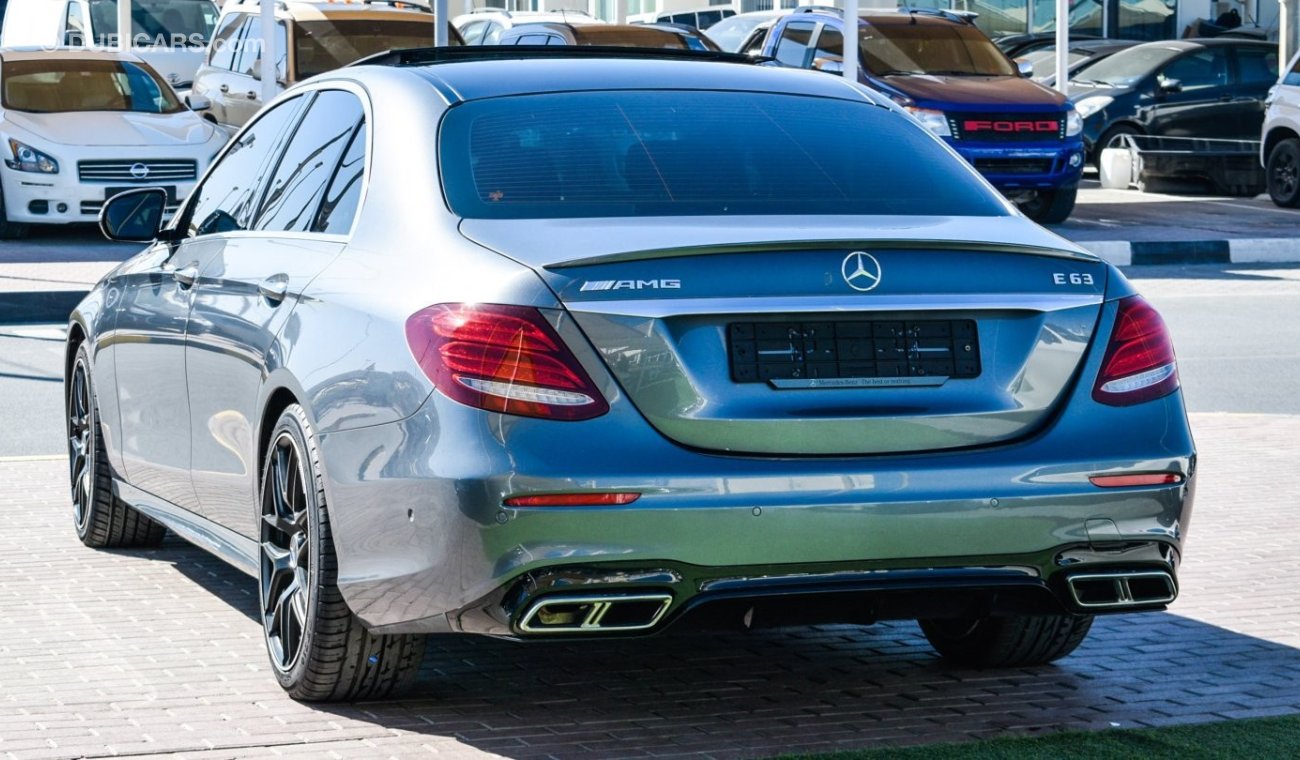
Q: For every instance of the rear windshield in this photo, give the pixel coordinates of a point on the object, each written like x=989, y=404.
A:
x=683, y=153
x=321, y=46
x=48, y=86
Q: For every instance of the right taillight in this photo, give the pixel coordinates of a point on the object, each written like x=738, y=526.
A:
x=1139, y=363
x=504, y=359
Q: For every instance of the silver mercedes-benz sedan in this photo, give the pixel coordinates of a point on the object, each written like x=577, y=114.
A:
x=580, y=343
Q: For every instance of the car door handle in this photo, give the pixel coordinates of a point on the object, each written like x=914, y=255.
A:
x=252, y=95
x=225, y=88
x=274, y=288
x=186, y=276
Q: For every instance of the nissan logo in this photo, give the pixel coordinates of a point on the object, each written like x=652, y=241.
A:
x=861, y=271
x=139, y=171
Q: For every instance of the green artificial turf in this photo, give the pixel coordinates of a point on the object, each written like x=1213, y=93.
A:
x=1231, y=740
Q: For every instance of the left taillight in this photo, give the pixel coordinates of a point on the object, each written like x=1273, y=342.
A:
x=1139, y=364
x=504, y=359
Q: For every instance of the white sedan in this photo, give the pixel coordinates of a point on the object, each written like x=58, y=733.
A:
x=78, y=127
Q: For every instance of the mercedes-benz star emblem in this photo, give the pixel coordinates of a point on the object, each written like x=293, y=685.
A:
x=139, y=171
x=861, y=271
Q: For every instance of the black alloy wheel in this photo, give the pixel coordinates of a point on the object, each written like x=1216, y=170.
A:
x=286, y=558
x=101, y=519
x=81, y=447
x=1283, y=173
x=319, y=649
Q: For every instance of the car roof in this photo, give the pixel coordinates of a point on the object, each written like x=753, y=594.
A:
x=507, y=71
x=15, y=54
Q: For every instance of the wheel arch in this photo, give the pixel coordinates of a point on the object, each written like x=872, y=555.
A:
x=279, y=399
x=1275, y=136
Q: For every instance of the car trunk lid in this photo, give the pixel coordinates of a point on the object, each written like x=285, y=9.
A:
x=829, y=342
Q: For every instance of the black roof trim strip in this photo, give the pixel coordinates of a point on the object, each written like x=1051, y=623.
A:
x=431, y=55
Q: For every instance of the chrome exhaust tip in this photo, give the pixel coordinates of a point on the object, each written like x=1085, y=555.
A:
x=596, y=613
x=1122, y=589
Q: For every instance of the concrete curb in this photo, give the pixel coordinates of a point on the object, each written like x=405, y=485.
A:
x=1123, y=253
x=39, y=305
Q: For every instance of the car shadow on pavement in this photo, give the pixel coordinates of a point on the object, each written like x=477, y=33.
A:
x=764, y=692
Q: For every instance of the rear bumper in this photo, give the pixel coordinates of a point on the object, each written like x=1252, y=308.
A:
x=1025, y=166
x=425, y=543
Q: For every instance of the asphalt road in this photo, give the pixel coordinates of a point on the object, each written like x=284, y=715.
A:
x=1236, y=329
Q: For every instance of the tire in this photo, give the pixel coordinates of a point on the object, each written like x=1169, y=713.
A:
x=101, y=519
x=9, y=230
x=1051, y=207
x=1110, y=136
x=319, y=650
x=1283, y=173
x=1000, y=642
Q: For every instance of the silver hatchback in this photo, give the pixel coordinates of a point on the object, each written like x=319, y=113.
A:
x=574, y=343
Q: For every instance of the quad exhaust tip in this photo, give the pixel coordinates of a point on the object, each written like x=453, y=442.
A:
x=1120, y=589
x=597, y=613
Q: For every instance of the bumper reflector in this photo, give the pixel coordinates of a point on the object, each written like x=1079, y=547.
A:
x=573, y=500
x=1127, y=480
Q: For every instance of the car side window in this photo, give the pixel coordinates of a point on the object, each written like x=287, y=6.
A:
x=1200, y=70
x=339, y=207
x=74, y=26
x=830, y=45
x=225, y=42
x=753, y=46
x=229, y=193
x=1256, y=66
x=493, y=34
x=250, y=49
x=473, y=32
x=792, y=50
x=298, y=183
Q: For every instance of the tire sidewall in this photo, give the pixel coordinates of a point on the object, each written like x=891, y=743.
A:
x=1291, y=146
x=92, y=453
x=291, y=421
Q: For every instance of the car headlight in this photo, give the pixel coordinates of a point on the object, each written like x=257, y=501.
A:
x=28, y=159
x=1089, y=106
x=1073, y=123
x=933, y=120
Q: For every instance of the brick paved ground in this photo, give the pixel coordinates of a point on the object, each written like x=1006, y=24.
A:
x=142, y=653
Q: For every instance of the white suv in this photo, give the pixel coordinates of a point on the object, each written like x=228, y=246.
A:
x=1280, y=149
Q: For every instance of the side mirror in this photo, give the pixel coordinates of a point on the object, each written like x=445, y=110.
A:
x=135, y=216
x=829, y=65
x=1024, y=67
x=197, y=102
x=1169, y=86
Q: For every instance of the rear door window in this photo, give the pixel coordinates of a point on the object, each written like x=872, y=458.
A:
x=339, y=208
x=308, y=163
x=1256, y=66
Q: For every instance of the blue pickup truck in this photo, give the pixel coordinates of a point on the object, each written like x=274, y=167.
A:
x=1026, y=139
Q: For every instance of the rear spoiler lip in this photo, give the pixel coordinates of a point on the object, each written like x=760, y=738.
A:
x=774, y=246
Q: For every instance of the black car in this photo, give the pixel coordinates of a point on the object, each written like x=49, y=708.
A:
x=1176, y=88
